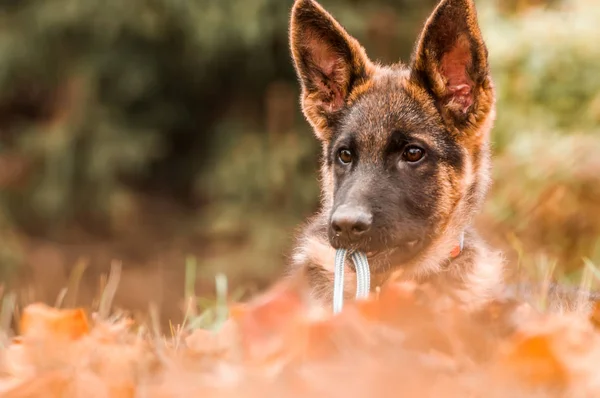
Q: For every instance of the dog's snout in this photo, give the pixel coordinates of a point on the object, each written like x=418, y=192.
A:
x=351, y=222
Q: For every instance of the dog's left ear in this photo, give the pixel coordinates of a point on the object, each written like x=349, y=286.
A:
x=451, y=62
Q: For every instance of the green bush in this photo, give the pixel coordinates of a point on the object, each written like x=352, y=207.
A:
x=545, y=65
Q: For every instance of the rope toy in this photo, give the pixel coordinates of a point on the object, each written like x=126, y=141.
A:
x=363, y=277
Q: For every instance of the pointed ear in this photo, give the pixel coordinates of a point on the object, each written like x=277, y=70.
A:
x=451, y=62
x=329, y=64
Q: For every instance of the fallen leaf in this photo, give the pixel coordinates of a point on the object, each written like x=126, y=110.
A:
x=533, y=359
x=48, y=385
x=595, y=315
x=40, y=319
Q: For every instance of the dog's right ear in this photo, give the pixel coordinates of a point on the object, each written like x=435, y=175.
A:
x=329, y=63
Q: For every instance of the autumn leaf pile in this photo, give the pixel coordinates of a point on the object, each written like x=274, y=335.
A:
x=402, y=341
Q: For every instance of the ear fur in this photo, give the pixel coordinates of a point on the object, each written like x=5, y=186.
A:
x=328, y=61
x=451, y=62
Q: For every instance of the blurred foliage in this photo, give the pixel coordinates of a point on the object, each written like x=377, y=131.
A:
x=545, y=65
x=193, y=100
x=197, y=102
x=545, y=61
x=546, y=194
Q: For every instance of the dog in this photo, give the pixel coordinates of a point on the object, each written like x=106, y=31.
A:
x=405, y=158
x=405, y=154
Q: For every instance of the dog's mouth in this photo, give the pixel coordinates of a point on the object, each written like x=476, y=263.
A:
x=371, y=250
x=409, y=246
x=384, y=252
x=381, y=259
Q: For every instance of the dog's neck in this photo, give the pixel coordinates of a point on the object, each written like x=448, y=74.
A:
x=438, y=257
x=459, y=264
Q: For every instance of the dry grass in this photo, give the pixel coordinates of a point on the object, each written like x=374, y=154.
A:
x=403, y=341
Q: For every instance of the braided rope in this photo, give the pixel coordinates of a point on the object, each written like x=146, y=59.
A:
x=363, y=277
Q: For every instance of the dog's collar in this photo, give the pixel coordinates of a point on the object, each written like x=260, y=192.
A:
x=459, y=247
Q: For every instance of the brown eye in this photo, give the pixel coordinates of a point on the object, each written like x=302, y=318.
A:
x=345, y=156
x=412, y=154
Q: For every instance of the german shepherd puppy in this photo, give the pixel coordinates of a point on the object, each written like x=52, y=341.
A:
x=405, y=161
x=405, y=154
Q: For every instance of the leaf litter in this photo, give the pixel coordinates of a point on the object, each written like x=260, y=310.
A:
x=402, y=341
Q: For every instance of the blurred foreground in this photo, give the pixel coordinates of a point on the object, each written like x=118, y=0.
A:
x=404, y=342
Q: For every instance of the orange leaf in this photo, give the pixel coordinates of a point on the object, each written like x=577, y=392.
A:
x=388, y=306
x=316, y=340
x=42, y=319
x=49, y=385
x=533, y=359
x=237, y=310
x=595, y=315
x=125, y=390
x=265, y=324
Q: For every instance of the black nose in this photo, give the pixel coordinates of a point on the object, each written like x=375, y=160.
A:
x=349, y=222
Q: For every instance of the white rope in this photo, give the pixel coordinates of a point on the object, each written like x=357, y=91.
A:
x=363, y=277
x=338, y=282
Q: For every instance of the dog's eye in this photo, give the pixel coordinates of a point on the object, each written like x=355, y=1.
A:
x=345, y=156
x=412, y=154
